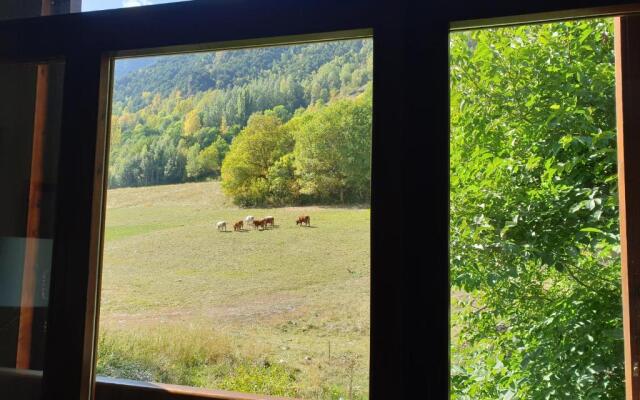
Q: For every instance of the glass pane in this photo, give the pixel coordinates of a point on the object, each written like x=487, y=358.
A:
x=30, y=111
x=237, y=252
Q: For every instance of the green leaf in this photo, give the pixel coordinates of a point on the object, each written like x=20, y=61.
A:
x=594, y=230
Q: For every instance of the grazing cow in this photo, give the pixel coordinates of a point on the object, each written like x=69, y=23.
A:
x=268, y=221
x=303, y=220
x=238, y=226
x=222, y=226
x=248, y=221
x=257, y=223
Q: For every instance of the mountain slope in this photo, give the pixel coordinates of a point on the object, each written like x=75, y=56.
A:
x=175, y=117
x=194, y=73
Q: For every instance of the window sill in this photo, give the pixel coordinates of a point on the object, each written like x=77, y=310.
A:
x=110, y=388
x=25, y=384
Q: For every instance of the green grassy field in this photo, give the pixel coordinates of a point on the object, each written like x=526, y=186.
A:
x=283, y=311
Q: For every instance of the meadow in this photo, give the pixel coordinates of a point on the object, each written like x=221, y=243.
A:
x=283, y=311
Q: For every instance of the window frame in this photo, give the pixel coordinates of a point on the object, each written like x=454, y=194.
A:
x=409, y=281
x=627, y=42
x=196, y=25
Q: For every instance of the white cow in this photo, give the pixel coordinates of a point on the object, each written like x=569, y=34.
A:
x=248, y=221
x=222, y=226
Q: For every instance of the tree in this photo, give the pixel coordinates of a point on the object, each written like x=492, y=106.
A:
x=283, y=185
x=193, y=168
x=224, y=128
x=280, y=112
x=253, y=151
x=534, y=218
x=174, y=167
x=333, y=151
x=222, y=148
x=192, y=123
x=209, y=161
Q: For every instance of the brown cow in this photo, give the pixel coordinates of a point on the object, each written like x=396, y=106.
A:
x=238, y=226
x=303, y=220
x=268, y=221
x=257, y=223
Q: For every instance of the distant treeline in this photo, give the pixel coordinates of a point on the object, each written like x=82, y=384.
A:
x=175, y=120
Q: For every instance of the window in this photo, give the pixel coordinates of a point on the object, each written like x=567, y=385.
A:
x=237, y=250
x=409, y=272
x=535, y=241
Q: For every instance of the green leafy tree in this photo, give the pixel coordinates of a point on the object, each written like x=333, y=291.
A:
x=333, y=151
x=254, y=150
x=534, y=247
x=174, y=167
x=283, y=185
x=209, y=161
x=280, y=112
x=202, y=164
x=194, y=167
x=222, y=148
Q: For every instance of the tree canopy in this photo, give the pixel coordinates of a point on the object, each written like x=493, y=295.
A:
x=258, y=146
x=333, y=151
x=534, y=219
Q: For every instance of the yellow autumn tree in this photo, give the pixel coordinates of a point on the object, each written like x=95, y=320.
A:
x=192, y=123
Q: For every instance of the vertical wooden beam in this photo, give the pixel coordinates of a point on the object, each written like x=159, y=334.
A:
x=627, y=51
x=388, y=314
x=29, y=275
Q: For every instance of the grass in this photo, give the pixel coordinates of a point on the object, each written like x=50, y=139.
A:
x=283, y=311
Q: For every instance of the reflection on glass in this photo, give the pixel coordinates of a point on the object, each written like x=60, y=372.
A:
x=29, y=138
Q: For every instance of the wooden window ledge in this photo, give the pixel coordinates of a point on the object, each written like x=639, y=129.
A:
x=27, y=386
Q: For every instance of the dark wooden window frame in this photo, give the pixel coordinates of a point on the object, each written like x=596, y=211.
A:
x=410, y=284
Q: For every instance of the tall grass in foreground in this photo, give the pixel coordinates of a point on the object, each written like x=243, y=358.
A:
x=204, y=358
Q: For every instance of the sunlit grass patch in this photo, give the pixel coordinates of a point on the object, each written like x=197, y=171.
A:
x=283, y=311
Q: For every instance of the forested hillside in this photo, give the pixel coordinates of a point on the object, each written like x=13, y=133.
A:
x=175, y=119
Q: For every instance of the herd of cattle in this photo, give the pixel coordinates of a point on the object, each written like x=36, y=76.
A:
x=260, y=224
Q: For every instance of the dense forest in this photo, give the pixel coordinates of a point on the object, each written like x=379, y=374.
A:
x=266, y=121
